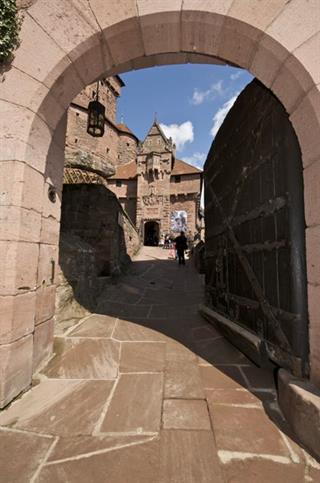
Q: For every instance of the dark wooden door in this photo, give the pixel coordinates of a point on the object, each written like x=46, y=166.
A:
x=255, y=228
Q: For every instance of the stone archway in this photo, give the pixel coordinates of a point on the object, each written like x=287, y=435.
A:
x=151, y=233
x=68, y=44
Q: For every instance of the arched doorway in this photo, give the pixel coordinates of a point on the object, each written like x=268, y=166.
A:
x=151, y=233
x=277, y=43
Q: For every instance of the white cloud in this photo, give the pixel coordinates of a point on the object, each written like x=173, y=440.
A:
x=220, y=115
x=236, y=75
x=197, y=159
x=214, y=91
x=180, y=134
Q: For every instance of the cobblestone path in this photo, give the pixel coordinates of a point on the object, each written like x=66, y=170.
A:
x=149, y=392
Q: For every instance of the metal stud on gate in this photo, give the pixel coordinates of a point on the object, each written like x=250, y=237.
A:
x=96, y=117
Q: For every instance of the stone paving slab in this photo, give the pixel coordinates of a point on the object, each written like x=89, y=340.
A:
x=135, y=396
x=185, y=414
x=15, y=465
x=80, y=446
x=138, y=463
x=95, y=326
x=142, y=357
x=85, y=359
x=189, y=457
x=136, y=404
x=253, y=470
x=183, y=380
x=246, y=430
x=59, y=407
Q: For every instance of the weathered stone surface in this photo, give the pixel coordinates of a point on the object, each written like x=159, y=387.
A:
x=247, y=430
x=255, y=469
x=95, y=326
x=185, y=414
x=42, y=343
x=142, y=357
x=126, y=331
x=177, y=352
x=189, y=456
x=300, y=403
x=232, y=396
x=75, y=447
x=85, y=359
x=65, y=408
x=20, y=469
x=16, y=316
x=15, y=368
x=183, y=380
x=144, y=411
x=223, y=377
x=137, y=464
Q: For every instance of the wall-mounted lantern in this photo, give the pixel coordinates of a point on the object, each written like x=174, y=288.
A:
x=96, y=117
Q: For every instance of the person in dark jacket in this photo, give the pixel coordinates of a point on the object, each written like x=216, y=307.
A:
x=181, y=245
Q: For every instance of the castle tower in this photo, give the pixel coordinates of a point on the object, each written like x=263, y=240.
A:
x=154, y=164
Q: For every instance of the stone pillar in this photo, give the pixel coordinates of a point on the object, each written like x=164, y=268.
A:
x=29, y=233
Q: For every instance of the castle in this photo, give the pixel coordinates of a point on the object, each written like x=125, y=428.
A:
x=159, y=193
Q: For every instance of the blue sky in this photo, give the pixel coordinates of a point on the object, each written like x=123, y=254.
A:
x=191, y=101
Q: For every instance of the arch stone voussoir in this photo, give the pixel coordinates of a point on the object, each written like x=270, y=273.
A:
x=296, y=23
x=306, y=122
x=161, y=32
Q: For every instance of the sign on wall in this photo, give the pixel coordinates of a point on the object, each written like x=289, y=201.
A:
x=179, y=221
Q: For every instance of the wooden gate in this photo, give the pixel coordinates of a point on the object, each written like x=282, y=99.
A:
x=255, y=228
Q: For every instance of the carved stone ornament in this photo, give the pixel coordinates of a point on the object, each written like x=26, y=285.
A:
x=152, y=199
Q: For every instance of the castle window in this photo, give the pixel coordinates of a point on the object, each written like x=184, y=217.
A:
x=128, y=144
x=177, y=179
x=118, y=183
x=77, y=114
x=107, y=150
x=76, y=140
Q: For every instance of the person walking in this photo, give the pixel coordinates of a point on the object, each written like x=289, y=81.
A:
x=181, y=246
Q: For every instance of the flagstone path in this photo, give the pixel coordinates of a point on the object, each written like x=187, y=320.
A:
x=146, y=391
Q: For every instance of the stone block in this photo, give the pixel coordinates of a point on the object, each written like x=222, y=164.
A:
x=18, y=261
x=15, y=368
x=308, y=55
x=65, y=87
x=314, y=332
x=161, y=32
x=82, y=38
x=260, y=15
x=300, y=403
x=47, y=61
x=17, y=314
x=47, y=264
x=19, y=224
x=50, y=230
x=45, y=303
x=306, y=122
x=238, y=42
x=212, y=6
x=200, y=32
x=42, y=343
x=147, y=7
x=267, y=60
x=125, y=41
x=311, y=177
x=296, y=23
x=117, y=11
x=313, y=254
x=292, y=83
